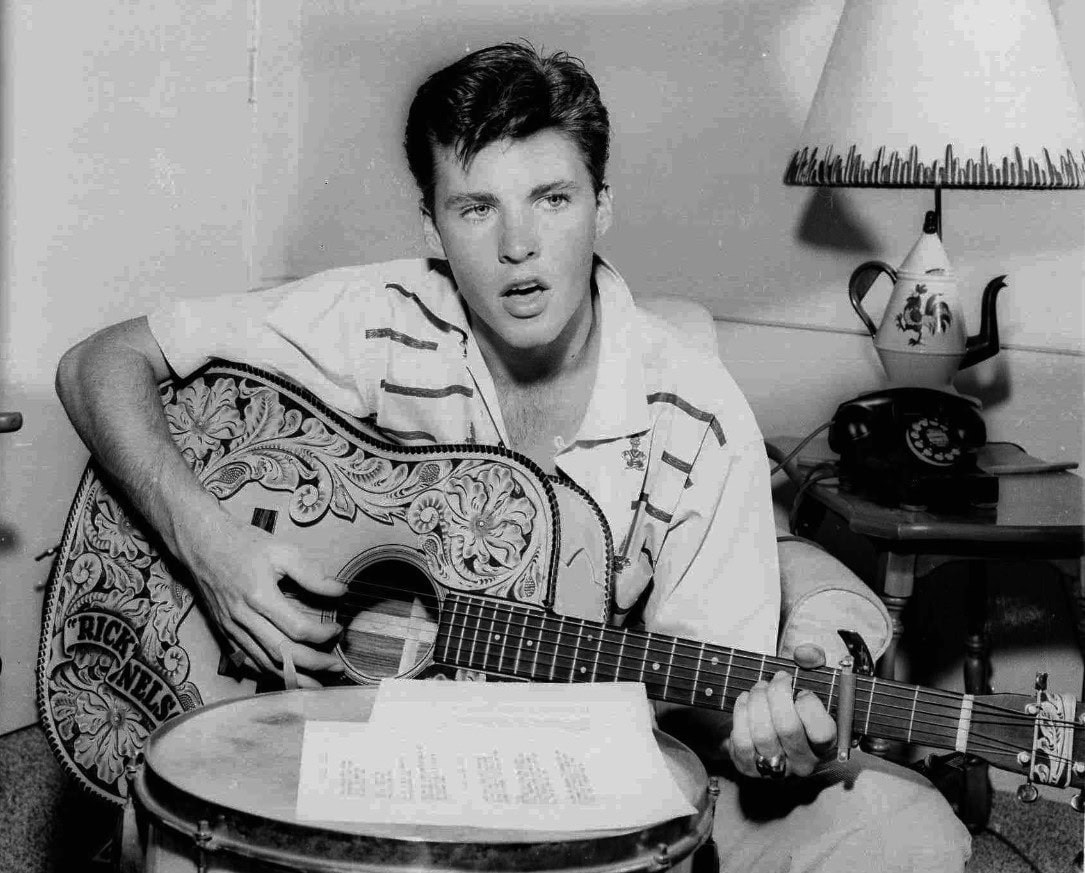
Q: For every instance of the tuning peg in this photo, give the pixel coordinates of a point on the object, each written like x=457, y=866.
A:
x=1027, y=792
x=1041, y=681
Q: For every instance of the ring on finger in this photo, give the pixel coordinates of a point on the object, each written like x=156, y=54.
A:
x=771, y=768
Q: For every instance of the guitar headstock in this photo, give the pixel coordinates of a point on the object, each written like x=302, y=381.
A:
x=1037, y=736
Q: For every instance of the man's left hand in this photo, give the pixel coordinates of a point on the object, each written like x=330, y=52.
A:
x=787, y=734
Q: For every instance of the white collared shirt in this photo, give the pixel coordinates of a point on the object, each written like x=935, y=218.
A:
x=668, y=446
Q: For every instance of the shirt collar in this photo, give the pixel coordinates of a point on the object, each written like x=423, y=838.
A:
x=619, y=402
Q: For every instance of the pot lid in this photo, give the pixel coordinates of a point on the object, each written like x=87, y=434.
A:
x=927, y=256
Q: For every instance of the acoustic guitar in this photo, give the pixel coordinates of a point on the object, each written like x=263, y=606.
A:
x=461, y=556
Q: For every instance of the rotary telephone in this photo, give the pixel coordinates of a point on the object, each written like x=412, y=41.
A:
x=914, y=448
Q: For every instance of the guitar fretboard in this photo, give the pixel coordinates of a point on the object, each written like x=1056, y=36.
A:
x=505, y=639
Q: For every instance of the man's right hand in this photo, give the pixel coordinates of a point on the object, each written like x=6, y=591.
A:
x=108, y=385
x=238, y=569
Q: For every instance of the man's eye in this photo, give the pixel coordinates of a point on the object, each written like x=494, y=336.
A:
x=554, y=201
x=478, y=210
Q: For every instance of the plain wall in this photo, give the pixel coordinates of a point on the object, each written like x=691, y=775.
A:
x=127, y=172
x=186, y=148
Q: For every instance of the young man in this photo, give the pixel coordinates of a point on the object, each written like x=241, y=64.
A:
x=517, y=333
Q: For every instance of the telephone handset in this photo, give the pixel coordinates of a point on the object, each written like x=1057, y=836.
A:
x=914, y=448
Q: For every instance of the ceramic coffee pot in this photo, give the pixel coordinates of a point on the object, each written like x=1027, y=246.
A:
x=922, y=339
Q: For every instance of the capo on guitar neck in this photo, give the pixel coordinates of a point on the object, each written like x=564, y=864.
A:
x=845, y=709
x=858, y=661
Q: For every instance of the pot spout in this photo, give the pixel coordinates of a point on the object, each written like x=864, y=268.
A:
x=985, y=343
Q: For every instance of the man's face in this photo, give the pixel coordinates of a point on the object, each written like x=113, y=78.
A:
x=518, y=228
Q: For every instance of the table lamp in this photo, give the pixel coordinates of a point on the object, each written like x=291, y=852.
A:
x=939, y=94
x=936, y=94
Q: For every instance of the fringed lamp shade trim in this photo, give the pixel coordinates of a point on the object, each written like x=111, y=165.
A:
x=892, y=170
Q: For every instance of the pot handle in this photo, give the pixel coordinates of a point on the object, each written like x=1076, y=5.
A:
x=861, y=280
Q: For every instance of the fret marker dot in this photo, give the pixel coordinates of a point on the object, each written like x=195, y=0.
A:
x=583, y=669
x=708, y=692
x=715, y=660
x=655, y=666
x=497, y=636
x=529, y=644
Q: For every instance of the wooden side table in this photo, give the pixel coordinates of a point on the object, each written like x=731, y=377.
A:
x=1039, y=515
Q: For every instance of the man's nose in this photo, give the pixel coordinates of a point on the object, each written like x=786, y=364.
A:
x=519, y=239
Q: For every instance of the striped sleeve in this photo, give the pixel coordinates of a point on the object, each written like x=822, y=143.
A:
x=311, y=331
x=716, y=572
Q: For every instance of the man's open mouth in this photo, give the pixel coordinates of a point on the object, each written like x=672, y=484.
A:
x=522, y=289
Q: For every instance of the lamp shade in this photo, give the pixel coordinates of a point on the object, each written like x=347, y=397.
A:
x=944, y=94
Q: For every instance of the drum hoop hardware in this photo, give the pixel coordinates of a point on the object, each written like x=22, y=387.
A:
x=203, y=839
x=207, y=824
x=206, y=841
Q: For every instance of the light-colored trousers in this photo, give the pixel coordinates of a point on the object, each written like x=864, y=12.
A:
x=865, y=815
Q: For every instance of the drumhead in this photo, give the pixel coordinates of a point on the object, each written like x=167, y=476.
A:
x=231, y=770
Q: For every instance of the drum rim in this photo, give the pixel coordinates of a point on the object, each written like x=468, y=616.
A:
x=248, y=834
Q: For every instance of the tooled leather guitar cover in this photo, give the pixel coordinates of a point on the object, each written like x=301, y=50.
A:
x=125, y=646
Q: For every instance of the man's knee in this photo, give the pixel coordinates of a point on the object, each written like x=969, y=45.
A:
x=864, y=815
x=902, y=813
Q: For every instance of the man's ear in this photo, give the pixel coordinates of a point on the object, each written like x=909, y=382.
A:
x=430, y=233
x=604, y=210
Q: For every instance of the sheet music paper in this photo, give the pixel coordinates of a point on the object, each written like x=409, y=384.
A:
x=496, y=755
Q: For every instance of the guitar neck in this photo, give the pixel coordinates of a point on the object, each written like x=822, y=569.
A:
x=502, y=638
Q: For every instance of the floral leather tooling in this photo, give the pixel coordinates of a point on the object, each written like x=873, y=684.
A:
x=124, y=644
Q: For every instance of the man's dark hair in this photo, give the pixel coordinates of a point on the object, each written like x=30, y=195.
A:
x=505, y=91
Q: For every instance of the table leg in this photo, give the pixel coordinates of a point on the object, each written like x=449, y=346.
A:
x=972, y=799
x=977, y=674
x=896, y=582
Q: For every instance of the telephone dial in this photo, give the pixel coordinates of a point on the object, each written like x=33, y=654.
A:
x=914, y=448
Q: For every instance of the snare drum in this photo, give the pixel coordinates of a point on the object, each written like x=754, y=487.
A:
x=218, y=787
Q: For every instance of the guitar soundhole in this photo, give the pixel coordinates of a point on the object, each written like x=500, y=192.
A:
x=389, y=615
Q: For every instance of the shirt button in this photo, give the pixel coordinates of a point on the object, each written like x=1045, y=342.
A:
x=559, y=443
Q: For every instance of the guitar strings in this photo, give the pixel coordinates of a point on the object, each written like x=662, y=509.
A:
x=736, y=656
x=695, y=650
x=978, y=741
x=922, y=729
x=952, y=722
x=681, y=671
x=649, y=649
x=432, y=601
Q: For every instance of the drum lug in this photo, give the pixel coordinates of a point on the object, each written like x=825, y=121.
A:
x=662, y=858
x=203, y=838
x=128, y=846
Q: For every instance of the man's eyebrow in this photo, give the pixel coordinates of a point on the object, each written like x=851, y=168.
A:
x=471, y=198
x=554, y=187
